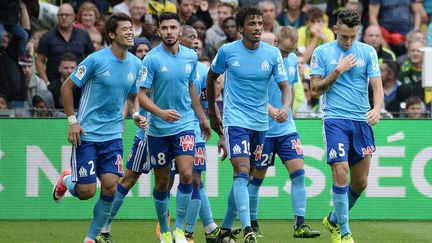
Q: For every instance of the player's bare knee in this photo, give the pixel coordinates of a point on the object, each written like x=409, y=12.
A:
x=162, y=184
x=86, y=193
x=359, y=186
x=186, y=178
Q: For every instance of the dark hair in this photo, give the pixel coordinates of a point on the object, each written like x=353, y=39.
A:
x=285, y=5
x=392, y=66
x=228, y=19
x=348, y=17
x=112, y=23
x=69, y=57
x=412, y=100
x=244, y=12
x=167, y=16
x=314, y=14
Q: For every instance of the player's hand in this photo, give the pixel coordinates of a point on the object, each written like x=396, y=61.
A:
x=281, y=115
x=141, y=122
x=216, y=123
x=222, y=148
x=74, y=132
x=373, y=116
x=205, y=130
x=170, y=115
x=346, y=63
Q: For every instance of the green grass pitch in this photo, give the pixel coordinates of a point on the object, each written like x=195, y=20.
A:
x=274, y=231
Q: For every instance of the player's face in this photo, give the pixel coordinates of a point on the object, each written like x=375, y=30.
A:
x=124, y=35
x=287, y=46
x=345, y=35
x=170, y=32
x=252, y=28
x=190, y=39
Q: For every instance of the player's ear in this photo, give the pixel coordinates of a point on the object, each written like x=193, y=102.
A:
x=111, y=35
x=335, y=27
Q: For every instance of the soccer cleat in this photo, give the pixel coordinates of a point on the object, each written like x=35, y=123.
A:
x=166, y=237
x=347, y=238
x=213, y=236
x=304, y=231
x=226, y=237
x=104, y=238
x=189, y=237
x=179, y=236
x=60, y=189
x=257, y=231
x=249, y=235
x=158, y=226
x=334, y=230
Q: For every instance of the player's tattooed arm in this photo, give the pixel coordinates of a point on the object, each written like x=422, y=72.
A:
x=320, y=84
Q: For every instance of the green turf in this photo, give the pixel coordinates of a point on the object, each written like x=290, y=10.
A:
x=274, y=231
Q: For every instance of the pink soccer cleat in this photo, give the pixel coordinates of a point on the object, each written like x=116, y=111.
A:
x=60, y=189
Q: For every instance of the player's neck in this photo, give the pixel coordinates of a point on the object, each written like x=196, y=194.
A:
x=118, y=51
x=173, y=49
x=250, y=45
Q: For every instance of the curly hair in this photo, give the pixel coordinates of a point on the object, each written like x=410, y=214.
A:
x=348, y=17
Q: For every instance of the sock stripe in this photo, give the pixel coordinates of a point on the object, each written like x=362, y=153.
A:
x=340, y=189
x=256, y=181
x=122, y=189
x=297, y=173
x=106, y=198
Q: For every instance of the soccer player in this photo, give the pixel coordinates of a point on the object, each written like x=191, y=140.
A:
x=248, y=65
x=282, y=139
x=170, y=70
x=341, y=71
x=107, y=78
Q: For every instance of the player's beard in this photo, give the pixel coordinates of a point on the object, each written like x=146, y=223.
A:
x=172, y=43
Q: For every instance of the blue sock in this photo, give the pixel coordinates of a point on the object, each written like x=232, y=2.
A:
x=71, y=186
x=183, y=197
x=340, y=203
x=118, y=201
x=231, y=211
x=241, y=197
x=101, y=213
x=352, y=198
x=193, y=210
x=298, y=195
x=205, y=212
x=253, y=189
x=161, y=201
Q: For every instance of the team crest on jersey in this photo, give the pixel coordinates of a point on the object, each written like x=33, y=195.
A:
x=236, y=149
x=130, y=77
x=314, y=62
x=80, y=72
x=143, y=73
x=188, y=68
x=187, y=142
x=332, y=154
x=265, y=65
x=360, y=62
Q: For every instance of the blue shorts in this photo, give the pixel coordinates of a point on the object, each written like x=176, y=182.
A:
x=240, y=141
x=200, y=160
x=138, y=159
x=347, y=140
x=288, y=147
x=164, y=149
x=92, y=159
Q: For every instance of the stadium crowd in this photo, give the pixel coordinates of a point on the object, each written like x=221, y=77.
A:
x=43, y=41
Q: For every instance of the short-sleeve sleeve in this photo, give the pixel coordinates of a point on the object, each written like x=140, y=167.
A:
x=278, y=71
x=219, y=62
x=138, y=80
x=149, y=72
x=373, y=68
x=317, y=66
x=193, y=73
x=84, y=71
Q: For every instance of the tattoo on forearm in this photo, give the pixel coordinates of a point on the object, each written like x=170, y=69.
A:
x=321, y=84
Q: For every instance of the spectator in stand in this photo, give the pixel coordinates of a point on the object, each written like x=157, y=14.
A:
x=141, y=47
x=396, y=105
x=67, y=65
x=122, y=7
x=33, y=82
x=229, y=27
x=208, y=51
x=44, y=105
x=201, y=11
x=33, y=43
x=413, y=108
x=314, y=34
x=215, y=34
x=411, y=71
x=373, y=37
x=268, y=9
x=137, y=10
x=96, y=39
x=292, y=14
x=159, y=6
x=88, y=16
x=396, y=19
x=149, y=25
x=415, y=35
x=310, y=106
x=10, y=13
x=60, y=39
x=3, y=102
x=389, y=73
x=185, y=10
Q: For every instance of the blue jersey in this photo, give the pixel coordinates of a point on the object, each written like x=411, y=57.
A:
x=140, y=133
x=275, y=99
x=200, y=84
x=247, y=75
x=347, y=98
x=167, y=77
x=105, y=82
